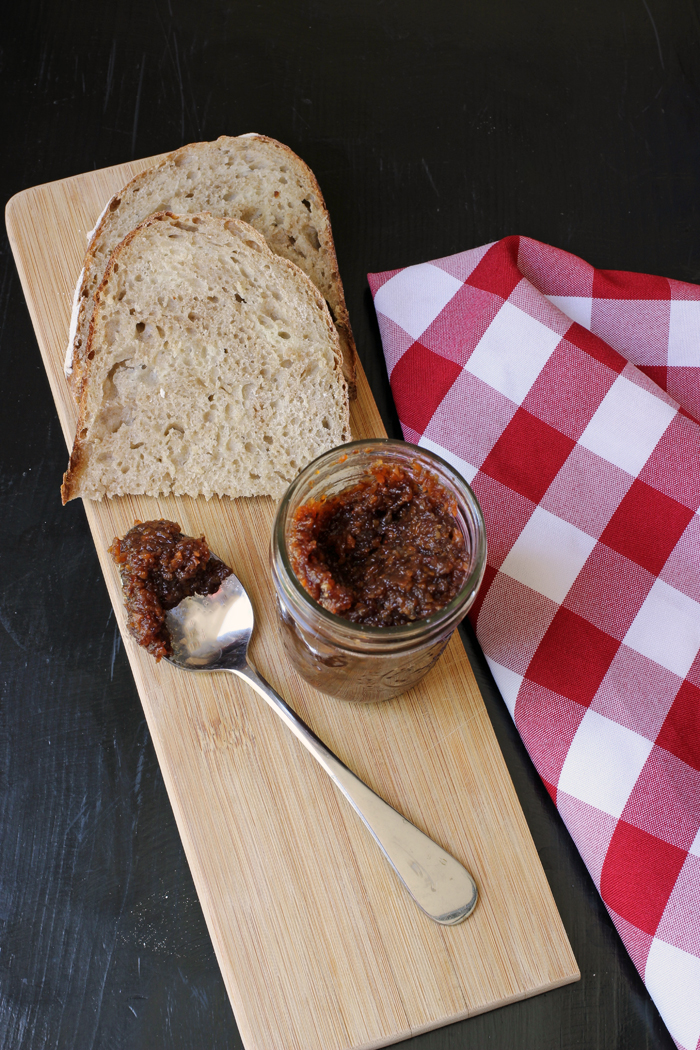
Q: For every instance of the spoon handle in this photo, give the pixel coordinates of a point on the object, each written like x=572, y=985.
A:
x=439, y=884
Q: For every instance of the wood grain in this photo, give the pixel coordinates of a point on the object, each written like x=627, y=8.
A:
x=319, y=946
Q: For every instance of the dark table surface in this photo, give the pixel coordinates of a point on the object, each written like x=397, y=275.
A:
x=432, y=127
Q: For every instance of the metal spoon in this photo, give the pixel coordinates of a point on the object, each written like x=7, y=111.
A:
x=211, y=633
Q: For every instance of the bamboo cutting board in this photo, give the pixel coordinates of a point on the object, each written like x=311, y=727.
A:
x=319, y=946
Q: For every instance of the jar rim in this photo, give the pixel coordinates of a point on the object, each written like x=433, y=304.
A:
x=367, y=632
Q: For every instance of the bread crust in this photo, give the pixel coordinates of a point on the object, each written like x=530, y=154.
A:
x=80, y=451
x=77, y=349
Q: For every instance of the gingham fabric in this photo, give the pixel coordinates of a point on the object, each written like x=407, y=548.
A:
x=513, y=362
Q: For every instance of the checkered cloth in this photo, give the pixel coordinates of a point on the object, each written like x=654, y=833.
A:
x=516, y=363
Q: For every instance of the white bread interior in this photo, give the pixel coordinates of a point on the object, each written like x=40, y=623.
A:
x=250, y=177
x=213, y=368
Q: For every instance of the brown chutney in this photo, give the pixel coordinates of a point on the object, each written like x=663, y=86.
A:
x=385, y=551
x=159, y=567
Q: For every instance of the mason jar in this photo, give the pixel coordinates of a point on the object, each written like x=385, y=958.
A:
x=356, y=661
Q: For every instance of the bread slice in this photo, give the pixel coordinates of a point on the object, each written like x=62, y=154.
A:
x=251, y=177
x=214, y=368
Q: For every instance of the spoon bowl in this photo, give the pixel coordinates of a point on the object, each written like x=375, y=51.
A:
x=211, y=632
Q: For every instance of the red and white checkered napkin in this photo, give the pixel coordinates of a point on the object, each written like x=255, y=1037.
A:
x=512, y=361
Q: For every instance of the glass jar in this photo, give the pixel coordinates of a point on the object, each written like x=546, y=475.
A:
x=356, y=661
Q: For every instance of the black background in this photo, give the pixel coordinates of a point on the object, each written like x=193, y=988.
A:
x=432, y=127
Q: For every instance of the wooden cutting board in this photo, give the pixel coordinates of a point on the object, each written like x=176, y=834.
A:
x=319, y=946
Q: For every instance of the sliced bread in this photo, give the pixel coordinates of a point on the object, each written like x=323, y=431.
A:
x=214, y=367
x=250, y=177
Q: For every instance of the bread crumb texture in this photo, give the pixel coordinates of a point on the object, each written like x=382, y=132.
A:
x=252, y=178
x=213, y=367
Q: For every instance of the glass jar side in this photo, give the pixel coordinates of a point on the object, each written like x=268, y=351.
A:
x=360, y=676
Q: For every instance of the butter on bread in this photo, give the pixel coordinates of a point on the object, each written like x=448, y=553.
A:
x=249, y=177
x=212, y=367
